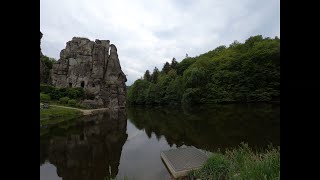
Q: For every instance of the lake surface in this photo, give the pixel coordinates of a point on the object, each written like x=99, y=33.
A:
x=127, y=143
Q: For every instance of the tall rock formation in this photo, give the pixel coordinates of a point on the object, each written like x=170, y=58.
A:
x=95, y=67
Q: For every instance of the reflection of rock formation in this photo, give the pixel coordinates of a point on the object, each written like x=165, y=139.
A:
x=95, y=152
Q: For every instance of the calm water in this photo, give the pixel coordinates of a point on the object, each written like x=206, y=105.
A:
x=127, y=143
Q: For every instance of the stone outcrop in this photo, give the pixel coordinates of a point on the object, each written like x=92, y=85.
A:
x=95, y=67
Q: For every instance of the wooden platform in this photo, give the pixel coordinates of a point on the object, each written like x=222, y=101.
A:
x=182, y=160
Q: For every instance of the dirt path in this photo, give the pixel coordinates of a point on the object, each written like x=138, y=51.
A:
x=84, y=111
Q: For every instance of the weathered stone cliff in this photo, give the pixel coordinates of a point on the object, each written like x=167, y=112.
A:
x=95, y=67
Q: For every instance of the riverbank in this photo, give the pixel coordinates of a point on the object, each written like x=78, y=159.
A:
x=241, y=163
x=56, y=114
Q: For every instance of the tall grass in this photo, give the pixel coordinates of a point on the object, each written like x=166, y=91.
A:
x=241, y=163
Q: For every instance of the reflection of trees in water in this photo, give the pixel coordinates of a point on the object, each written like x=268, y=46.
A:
x=212, y=127
x=94, y=153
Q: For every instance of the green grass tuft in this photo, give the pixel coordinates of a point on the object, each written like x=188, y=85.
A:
x=241, y=163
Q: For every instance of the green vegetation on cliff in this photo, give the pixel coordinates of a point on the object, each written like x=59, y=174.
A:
x=242, y=72
x=64, y=96
x=46, y=64
x=57, y=93
x=48, y=61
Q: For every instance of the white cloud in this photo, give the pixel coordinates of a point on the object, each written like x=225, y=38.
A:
x=149, y=33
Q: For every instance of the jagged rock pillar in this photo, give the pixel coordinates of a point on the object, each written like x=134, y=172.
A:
x=87, y=64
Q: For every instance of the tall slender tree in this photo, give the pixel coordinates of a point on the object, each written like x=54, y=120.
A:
x=166, y=68
x=147, y=76
x=154, y=75
x=174, y=63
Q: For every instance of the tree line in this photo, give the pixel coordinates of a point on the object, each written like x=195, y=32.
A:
x=242, y=72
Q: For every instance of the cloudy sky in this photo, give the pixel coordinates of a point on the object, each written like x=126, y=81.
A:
x=148, y=33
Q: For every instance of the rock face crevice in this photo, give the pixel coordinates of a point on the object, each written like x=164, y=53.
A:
x=94, y=66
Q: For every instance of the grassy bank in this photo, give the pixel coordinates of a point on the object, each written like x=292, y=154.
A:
x=241, y=163
x=58, y=103
x=55, y=115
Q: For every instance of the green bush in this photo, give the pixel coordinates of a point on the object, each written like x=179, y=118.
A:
x=64, y=100
x=72, y=102
x=57, y=93
x=75, y=93
x=44, y=97
x=44, y=88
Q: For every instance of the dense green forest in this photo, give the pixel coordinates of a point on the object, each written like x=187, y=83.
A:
x=242, y=72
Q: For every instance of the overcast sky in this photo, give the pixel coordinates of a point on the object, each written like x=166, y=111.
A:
x=148, y=33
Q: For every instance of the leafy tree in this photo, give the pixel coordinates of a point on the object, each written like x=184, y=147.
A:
x=174, y=91
x=138, y=92
x=147, y=76
x=172, y=74
x=155, y=74
x=234, y=44
x=48, y=61
x=191, y=96
x=253, y=39
x=174, y=63
x=151, y=97
x=184, y=64
x=166, y=68
x=195, y=77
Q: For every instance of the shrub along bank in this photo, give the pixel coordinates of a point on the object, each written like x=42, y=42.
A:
x=64, y=96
